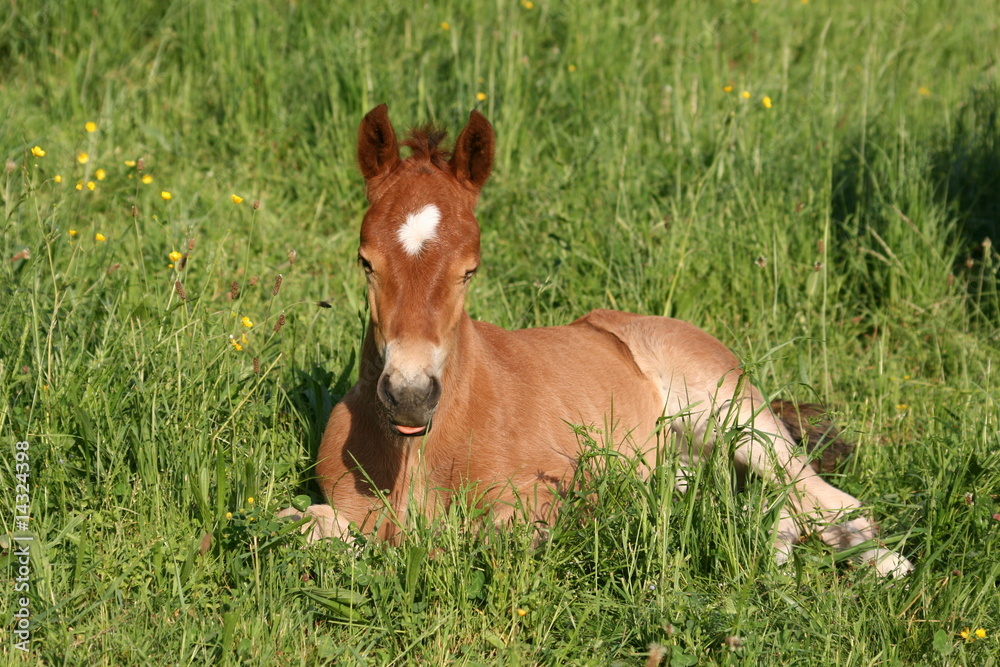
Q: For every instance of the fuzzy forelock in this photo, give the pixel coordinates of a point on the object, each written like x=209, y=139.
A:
x=425, y=144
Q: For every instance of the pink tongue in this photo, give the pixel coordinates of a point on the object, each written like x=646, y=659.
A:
x=410, y=430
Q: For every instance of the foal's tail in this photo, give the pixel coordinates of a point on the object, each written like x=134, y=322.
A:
x=810, y=425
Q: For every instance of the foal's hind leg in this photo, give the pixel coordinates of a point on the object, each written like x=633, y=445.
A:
x=695, y=375
x=768, y=451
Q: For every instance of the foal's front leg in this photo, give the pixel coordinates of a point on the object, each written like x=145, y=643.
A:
x=323, y=522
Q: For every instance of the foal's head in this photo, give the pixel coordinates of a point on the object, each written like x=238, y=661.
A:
x=419, y=248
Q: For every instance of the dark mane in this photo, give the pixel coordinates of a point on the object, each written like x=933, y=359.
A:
x=425, y=144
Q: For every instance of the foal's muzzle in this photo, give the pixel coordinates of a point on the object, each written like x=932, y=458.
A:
x=410, y=401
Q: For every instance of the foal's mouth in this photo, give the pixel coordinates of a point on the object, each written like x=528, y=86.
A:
x=412, y=431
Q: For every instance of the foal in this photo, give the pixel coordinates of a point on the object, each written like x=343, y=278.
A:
x=446, y=403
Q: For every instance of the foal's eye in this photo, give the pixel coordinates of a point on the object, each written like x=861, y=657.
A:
x=365, y=264
x=468, y=275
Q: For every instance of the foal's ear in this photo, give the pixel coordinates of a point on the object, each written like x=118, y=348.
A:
x=472, y=157
x=378, y=151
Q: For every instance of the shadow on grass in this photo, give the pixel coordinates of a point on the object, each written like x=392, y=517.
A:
x=876, y=204
x=966, y=167
x=313, y=392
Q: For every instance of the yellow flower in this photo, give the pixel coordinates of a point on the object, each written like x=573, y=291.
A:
x=57, y=178
x=237, y=199
x=72, y=232
x=924, y=90
x=902, y=407
x=37, y=151
x=129, y=163
x=745, y=94
x=727, y=88
x=79, y=186
x=246, y=322
x=527, y=4
x=250, y=500
x=90, y=126
x=175, y=256
x=147, y=179
x=965, y=633
x=166, y=196
x=572, y=68
x=522, y=611
x=100, y=238
x=480, y=96
x=83, y=158
x=981, y=633
x=101, y=174
x=445, y=26
x=170, y=266
x=91, y=185
x=229, y=515
x=235, y=343
x=243, y=339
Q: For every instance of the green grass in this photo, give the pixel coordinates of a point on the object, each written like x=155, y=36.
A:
x=836, y=241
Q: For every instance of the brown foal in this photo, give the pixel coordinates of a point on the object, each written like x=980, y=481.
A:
x=445, y=403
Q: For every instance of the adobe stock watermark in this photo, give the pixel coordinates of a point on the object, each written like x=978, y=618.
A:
x=22, y=547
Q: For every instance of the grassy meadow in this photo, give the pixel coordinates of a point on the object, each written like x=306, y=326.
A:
x=814, y=183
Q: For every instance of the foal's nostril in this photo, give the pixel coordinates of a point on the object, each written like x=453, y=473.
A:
x=434, y=393
x=385, y=392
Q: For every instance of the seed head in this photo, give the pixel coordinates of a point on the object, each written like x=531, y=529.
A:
x=656, y=654
x=292, y=256
x=140, y=164
x=180, y=290
x=256, y=204
x=256, y=366
x=732, y=642
x=277, y=285
x=234, y=291
x=135, y=211
x=190, y=244
x=280, y=323
x=253, y=280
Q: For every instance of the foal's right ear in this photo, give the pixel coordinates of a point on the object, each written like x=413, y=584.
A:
x=378, y=151
x=472, y=156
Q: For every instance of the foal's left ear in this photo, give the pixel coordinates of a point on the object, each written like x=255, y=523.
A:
x=378, y=151
x=472, y=156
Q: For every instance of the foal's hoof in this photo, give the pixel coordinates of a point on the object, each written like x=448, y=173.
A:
x=323, y=522
x=887, y=563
